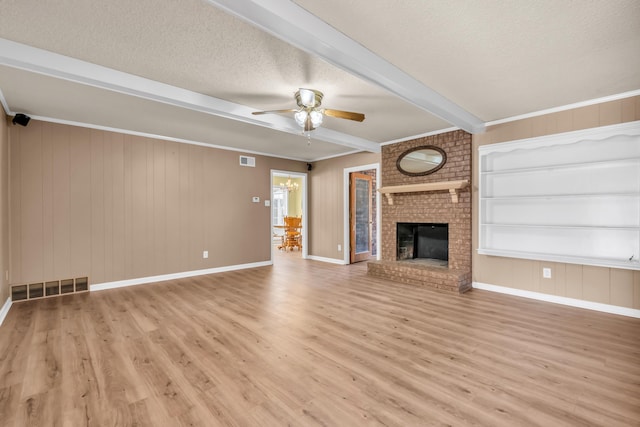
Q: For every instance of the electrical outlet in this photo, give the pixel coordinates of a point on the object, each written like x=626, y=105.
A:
x=205, y=254
x=267, y=203
x=339, y=247
x=546, y=273
x=6, y=275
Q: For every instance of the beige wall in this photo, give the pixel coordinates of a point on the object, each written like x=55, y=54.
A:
x=4, y=208
x=114, y=206
x=603, y=285
x=326, y=203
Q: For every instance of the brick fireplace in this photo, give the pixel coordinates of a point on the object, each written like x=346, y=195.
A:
x=428, y=210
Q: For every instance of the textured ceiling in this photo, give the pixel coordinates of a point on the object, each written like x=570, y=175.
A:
x=501, y=58
x=494, y=59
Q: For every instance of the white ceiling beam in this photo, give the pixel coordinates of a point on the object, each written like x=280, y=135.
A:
x=293, y=24
x=51, y=64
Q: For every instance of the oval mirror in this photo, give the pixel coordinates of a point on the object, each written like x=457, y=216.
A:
x=421, y=160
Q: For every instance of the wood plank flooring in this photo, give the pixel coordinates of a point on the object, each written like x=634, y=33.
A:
x=305, y=343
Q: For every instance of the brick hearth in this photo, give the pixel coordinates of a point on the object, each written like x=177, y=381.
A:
x=428, y=207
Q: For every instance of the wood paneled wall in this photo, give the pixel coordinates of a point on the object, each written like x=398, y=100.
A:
x=326, y=203
x=115, y=206
x=4, y=208
x=597, y=284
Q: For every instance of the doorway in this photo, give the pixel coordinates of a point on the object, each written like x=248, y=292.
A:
x=360, y=217
x=288, y=199
x=362, y=207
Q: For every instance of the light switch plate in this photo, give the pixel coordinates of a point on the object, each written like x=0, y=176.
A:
x=267, y=203
x=546, y=273
x=255, y=199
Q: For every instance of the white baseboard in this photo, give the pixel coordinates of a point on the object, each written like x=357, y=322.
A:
x=329, y=260
x=596, y=306
x=173, y=276
x=5, y=310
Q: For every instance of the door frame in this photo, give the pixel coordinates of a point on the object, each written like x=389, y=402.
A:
x=305, y=216
x=354, y=256
x=346, y=201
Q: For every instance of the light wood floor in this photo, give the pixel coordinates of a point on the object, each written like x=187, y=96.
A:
x=306, y=343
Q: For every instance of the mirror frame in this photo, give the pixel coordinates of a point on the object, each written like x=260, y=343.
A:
x=421, y=147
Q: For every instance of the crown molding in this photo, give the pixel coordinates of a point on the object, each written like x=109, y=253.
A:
x=573, y=106
x=28, y=58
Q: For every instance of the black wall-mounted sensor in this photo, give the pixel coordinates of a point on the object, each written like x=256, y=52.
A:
x=21, y=119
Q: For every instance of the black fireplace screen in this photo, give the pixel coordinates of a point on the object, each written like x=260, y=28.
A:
x=422, y=240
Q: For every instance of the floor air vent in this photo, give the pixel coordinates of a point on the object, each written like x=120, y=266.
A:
x=49, y=289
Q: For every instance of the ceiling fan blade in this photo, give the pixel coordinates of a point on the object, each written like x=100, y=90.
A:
x=358, y=117
x=289, y=110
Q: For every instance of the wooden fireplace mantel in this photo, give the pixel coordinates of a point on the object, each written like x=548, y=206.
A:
x=452, y=186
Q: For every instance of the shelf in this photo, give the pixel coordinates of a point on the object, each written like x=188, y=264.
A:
x=452, y=186
x=566, y=227
x=548, y=168
x=563, y=196
x=598, y=262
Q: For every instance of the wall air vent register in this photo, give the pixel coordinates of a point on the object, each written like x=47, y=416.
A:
x=248, y=161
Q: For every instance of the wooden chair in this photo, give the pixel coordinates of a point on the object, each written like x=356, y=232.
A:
x=279, y=238
x=292, y=235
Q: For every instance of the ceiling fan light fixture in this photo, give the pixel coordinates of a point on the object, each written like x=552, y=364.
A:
x=316, y=118
x=300, y=117
x=309, y=114
x=308, y=97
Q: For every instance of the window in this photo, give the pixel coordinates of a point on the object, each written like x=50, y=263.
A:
x=279, y=204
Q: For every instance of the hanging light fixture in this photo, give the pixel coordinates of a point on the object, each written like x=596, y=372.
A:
x=308, y=119
x=289, y=185
x=301, y=117
x=309, y=113
x=309, y=116
x=316, y=118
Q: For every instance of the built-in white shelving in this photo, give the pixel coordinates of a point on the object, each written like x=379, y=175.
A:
x=572, y=197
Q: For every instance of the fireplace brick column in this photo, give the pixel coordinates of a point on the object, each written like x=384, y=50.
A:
x=428, y=207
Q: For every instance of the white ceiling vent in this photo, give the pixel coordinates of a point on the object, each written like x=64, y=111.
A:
x=248, y=161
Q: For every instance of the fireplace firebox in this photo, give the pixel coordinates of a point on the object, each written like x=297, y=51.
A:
x=423, y=241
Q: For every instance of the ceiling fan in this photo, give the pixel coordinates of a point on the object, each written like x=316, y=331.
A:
x=309, y=114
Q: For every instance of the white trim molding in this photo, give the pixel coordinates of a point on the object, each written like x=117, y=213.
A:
x=157, y=136
x=293, y=24
x=329, y=260
x=305, y=203
x=590, y=134
x=573, y=302
x=345, y=197
x=32, y=59
x=422, y=135
x=173, y=276
x=5, y=310
x=573, y=106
